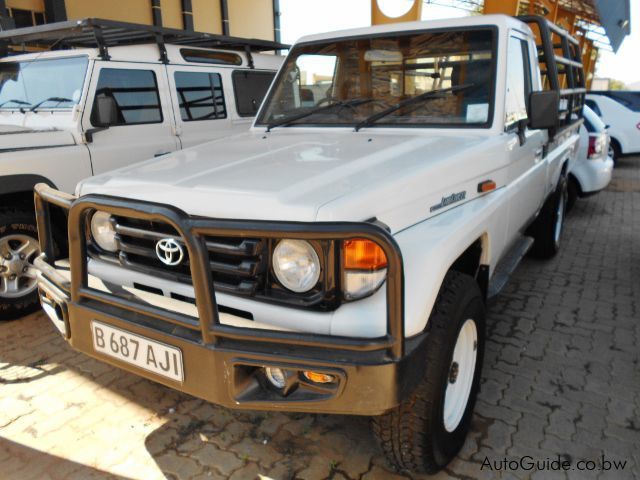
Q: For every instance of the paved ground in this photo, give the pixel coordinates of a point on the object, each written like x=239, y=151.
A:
x=561, y=377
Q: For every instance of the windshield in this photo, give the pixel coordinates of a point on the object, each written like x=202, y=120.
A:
x=382, y=81
x=47, y=84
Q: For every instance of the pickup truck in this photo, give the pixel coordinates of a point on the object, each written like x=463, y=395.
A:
x=87, y=108
x=337, y=257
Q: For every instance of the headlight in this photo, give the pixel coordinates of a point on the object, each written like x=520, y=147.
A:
x=365, y=268
x=296, y=265
x=103, y=232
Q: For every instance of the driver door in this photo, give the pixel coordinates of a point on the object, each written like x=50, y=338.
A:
x=143, y=125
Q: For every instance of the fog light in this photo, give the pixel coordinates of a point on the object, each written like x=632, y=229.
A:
x=276, y=376
x=318, y=377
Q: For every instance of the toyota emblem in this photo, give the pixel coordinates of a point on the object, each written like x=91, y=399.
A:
x=169, y=252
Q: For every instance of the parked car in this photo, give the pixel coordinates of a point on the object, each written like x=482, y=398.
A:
x=620, y=110
x=335, y=258
x=68, y=114
x=591, y=170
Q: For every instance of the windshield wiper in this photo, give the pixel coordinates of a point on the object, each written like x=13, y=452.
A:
x=409, y=101
x=283, y=122
x=17, y=102
x=50, y=99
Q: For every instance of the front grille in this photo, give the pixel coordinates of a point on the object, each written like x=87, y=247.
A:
x=238, y=264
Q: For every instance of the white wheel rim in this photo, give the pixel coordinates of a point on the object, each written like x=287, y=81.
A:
x=461, y=373
x=17, y=273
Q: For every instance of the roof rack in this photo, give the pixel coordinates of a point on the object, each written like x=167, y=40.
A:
x=102, y=34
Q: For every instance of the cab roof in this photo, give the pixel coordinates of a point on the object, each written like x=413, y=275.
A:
x=500, y=21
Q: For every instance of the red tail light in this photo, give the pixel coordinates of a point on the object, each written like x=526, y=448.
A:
x=592, y=147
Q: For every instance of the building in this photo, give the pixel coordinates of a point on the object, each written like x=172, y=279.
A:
x=241, y=18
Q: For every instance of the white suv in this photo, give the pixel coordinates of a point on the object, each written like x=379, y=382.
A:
x=93, y=107
x=620, y=111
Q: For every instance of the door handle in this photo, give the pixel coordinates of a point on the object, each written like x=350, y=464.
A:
x=539, y=152
x=161, y=154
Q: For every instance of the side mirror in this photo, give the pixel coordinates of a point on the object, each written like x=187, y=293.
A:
x=543, y=109
x=105, y=111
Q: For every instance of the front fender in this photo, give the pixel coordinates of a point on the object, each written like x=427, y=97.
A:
x=431, y=247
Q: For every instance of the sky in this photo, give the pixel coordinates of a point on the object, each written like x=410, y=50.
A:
x=303, y=17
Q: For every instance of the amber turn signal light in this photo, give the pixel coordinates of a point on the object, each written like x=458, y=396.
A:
x=318, y=377
x=486, y=186
x=363, y=254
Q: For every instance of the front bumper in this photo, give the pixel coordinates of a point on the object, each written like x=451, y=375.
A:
x=223, y=363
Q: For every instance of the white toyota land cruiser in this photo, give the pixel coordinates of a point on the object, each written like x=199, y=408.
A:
x=337, y=257
x=94, y=103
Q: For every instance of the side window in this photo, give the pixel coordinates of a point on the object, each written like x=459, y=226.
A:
x=518, y=81
x=200, y=96
x=249, y=88
x=593, y=106
x=135, y=94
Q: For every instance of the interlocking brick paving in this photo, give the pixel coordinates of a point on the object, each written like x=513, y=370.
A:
x=561, y=377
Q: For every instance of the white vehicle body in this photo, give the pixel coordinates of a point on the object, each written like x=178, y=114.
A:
x=592, y=167
x=50, y=130
x=294, y=177
x=338, y=255
x=623, y=122
x=51, y=143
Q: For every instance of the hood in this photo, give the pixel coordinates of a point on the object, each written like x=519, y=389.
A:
x=13, y=137
x=304, y=175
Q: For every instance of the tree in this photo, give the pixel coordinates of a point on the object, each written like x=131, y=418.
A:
x=616, y=85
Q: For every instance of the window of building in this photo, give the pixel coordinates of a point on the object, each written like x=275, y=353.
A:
x=22, y=18
x=135, y=93
x=250, y=87
x=200, y=96
x=518, y=81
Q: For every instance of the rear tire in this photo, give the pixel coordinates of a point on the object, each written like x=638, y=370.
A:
x=615, y=152
x=427, y=430
x=546, y=230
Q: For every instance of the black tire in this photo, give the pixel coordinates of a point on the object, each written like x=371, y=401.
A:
x=573, y=192
x=14, y=221
x=546, y=230
x=413, y=436
x=615, y=151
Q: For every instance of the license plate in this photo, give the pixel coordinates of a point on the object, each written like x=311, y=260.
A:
x=140, y=351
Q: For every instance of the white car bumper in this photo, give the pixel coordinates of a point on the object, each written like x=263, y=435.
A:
x=593, y=175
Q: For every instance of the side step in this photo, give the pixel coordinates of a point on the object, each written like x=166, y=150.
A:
x=507, y=265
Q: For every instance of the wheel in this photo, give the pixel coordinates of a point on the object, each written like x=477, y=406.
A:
x=18, y=248
x=573, y=192
x=546, y=230
x=614, y=151
x=427, y=430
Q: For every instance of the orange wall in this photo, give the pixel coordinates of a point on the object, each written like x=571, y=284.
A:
x=136, y=11
x=206, y=16
x=251, y=18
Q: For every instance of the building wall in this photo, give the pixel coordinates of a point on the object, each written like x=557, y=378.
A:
x=247, y=18
x=33, y=5
x=171, y=13
x=251, y=18
x=207, y=16
x=136, y=11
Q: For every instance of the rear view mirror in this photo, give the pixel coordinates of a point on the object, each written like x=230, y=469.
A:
x=543, y=109
x=105, y=111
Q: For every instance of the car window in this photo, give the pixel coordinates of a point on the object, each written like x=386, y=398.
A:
x=250, y=87
x=518, y=81
x=629, y=99
x=593, y=106
x=591, y=121
x=135, y=93
x=200, y=96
